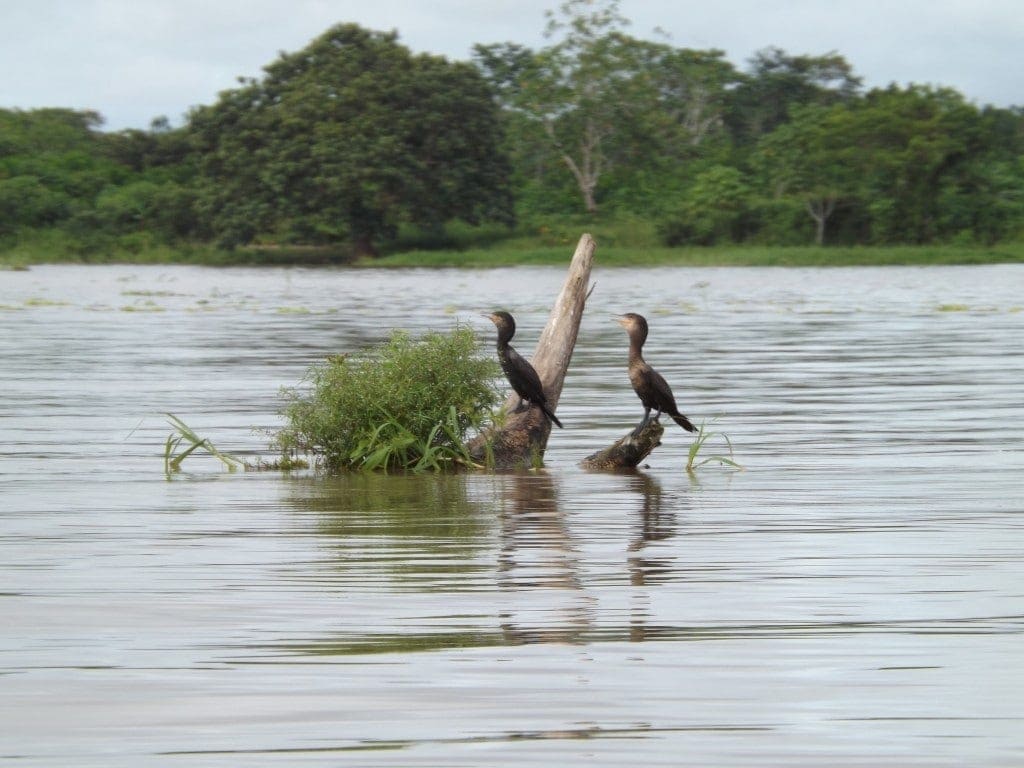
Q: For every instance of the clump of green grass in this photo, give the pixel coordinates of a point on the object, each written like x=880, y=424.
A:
x=285, y=463
x=406, y=404
x=698, y=444
x=185, y=434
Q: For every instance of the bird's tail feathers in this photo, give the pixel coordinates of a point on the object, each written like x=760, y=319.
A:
x=550, y=415
x=684, y=422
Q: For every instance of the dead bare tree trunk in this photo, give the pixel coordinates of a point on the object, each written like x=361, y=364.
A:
x=521, y=441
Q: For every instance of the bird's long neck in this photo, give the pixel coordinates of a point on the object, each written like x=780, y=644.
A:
x=504, y=348
x=503, y=353
x=506, y=330
x=636, y=345
x=504, y=337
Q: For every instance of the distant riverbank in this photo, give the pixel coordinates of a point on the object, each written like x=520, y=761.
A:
x=739, y=256
x=498, y=256
x=624, y=243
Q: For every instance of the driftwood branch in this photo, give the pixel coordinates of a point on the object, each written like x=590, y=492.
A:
x=628, y=451
x=522, y=439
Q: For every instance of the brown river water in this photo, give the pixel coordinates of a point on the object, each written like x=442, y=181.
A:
x=853, y=597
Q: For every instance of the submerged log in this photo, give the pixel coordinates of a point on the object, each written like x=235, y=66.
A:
x=628, y=451
x=523, y=438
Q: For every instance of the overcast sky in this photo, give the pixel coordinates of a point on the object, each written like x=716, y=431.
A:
x=133, y=60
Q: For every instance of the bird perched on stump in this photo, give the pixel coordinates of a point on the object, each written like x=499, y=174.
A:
x=653, y=391
x=520, y=374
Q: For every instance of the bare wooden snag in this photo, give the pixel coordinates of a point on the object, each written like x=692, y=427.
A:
x=522, y=439
x=628, y=451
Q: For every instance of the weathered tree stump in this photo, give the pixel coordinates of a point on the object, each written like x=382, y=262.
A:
x=522, y=439
x=628, y=451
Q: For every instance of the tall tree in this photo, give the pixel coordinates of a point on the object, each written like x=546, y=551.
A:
x=603, y=103
x=776, y=81
x=912, y=165
x=812, y=158
x=580, y=88
x=923, y=148
x=570, y=97
x=348, y=137
x=52, y=164
x=689, y=89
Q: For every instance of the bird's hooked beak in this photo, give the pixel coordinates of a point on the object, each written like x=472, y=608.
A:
x=621, y=320
x=489, y=316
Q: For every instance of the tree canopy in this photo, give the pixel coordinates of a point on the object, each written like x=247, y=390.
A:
x=355, y=137
x=348, y=137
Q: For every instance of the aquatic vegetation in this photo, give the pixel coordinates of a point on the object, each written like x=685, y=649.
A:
x=281, y=464
x=151, y=294
x=698, y=445
x=146, y=307
x=184, y=434
x=406, y=404
x=40, y=302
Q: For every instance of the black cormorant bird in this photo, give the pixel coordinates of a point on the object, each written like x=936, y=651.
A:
x=653, y=391
x=520, y=374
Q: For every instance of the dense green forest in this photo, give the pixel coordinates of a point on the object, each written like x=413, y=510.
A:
x=356, y=140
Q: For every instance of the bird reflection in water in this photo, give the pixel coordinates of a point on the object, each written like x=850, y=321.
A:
x=538, y=566
x=656, y=522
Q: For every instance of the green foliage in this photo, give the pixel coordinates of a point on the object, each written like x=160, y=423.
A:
x=899, y=165
x=781, y=221
x=697, y=446
x=714, y=210
x=37, y=131
x=355, y=145
x=164, y=208
x=407, y=404
x=26, y=201
x=173, y=457
x=598, y=109
x=776, y=82
x=809, y=159
x=58, y=170
x=347, y=138
x=50, y=165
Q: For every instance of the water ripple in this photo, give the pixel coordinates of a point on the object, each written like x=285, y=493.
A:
x=852, y=597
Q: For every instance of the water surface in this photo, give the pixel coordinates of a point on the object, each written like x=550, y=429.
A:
x=854, y=597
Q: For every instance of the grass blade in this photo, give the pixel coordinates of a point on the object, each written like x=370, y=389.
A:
x=697, y=446
x=185, y=434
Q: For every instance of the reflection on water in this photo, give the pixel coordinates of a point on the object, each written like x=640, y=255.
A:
x=536, y=552
x=649, y=562
x=655, y=523
x=359, y=509
x=852, y=598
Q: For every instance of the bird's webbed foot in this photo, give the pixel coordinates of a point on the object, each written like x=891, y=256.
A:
x=645, y=421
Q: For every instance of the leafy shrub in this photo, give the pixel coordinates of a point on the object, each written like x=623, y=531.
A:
x=713, y=210
x=26, y=202
x=408, y=404
x=783, y=221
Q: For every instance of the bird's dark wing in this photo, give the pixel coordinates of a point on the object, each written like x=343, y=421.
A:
x=661, y=393
x=665, y=402
x=523, y=378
